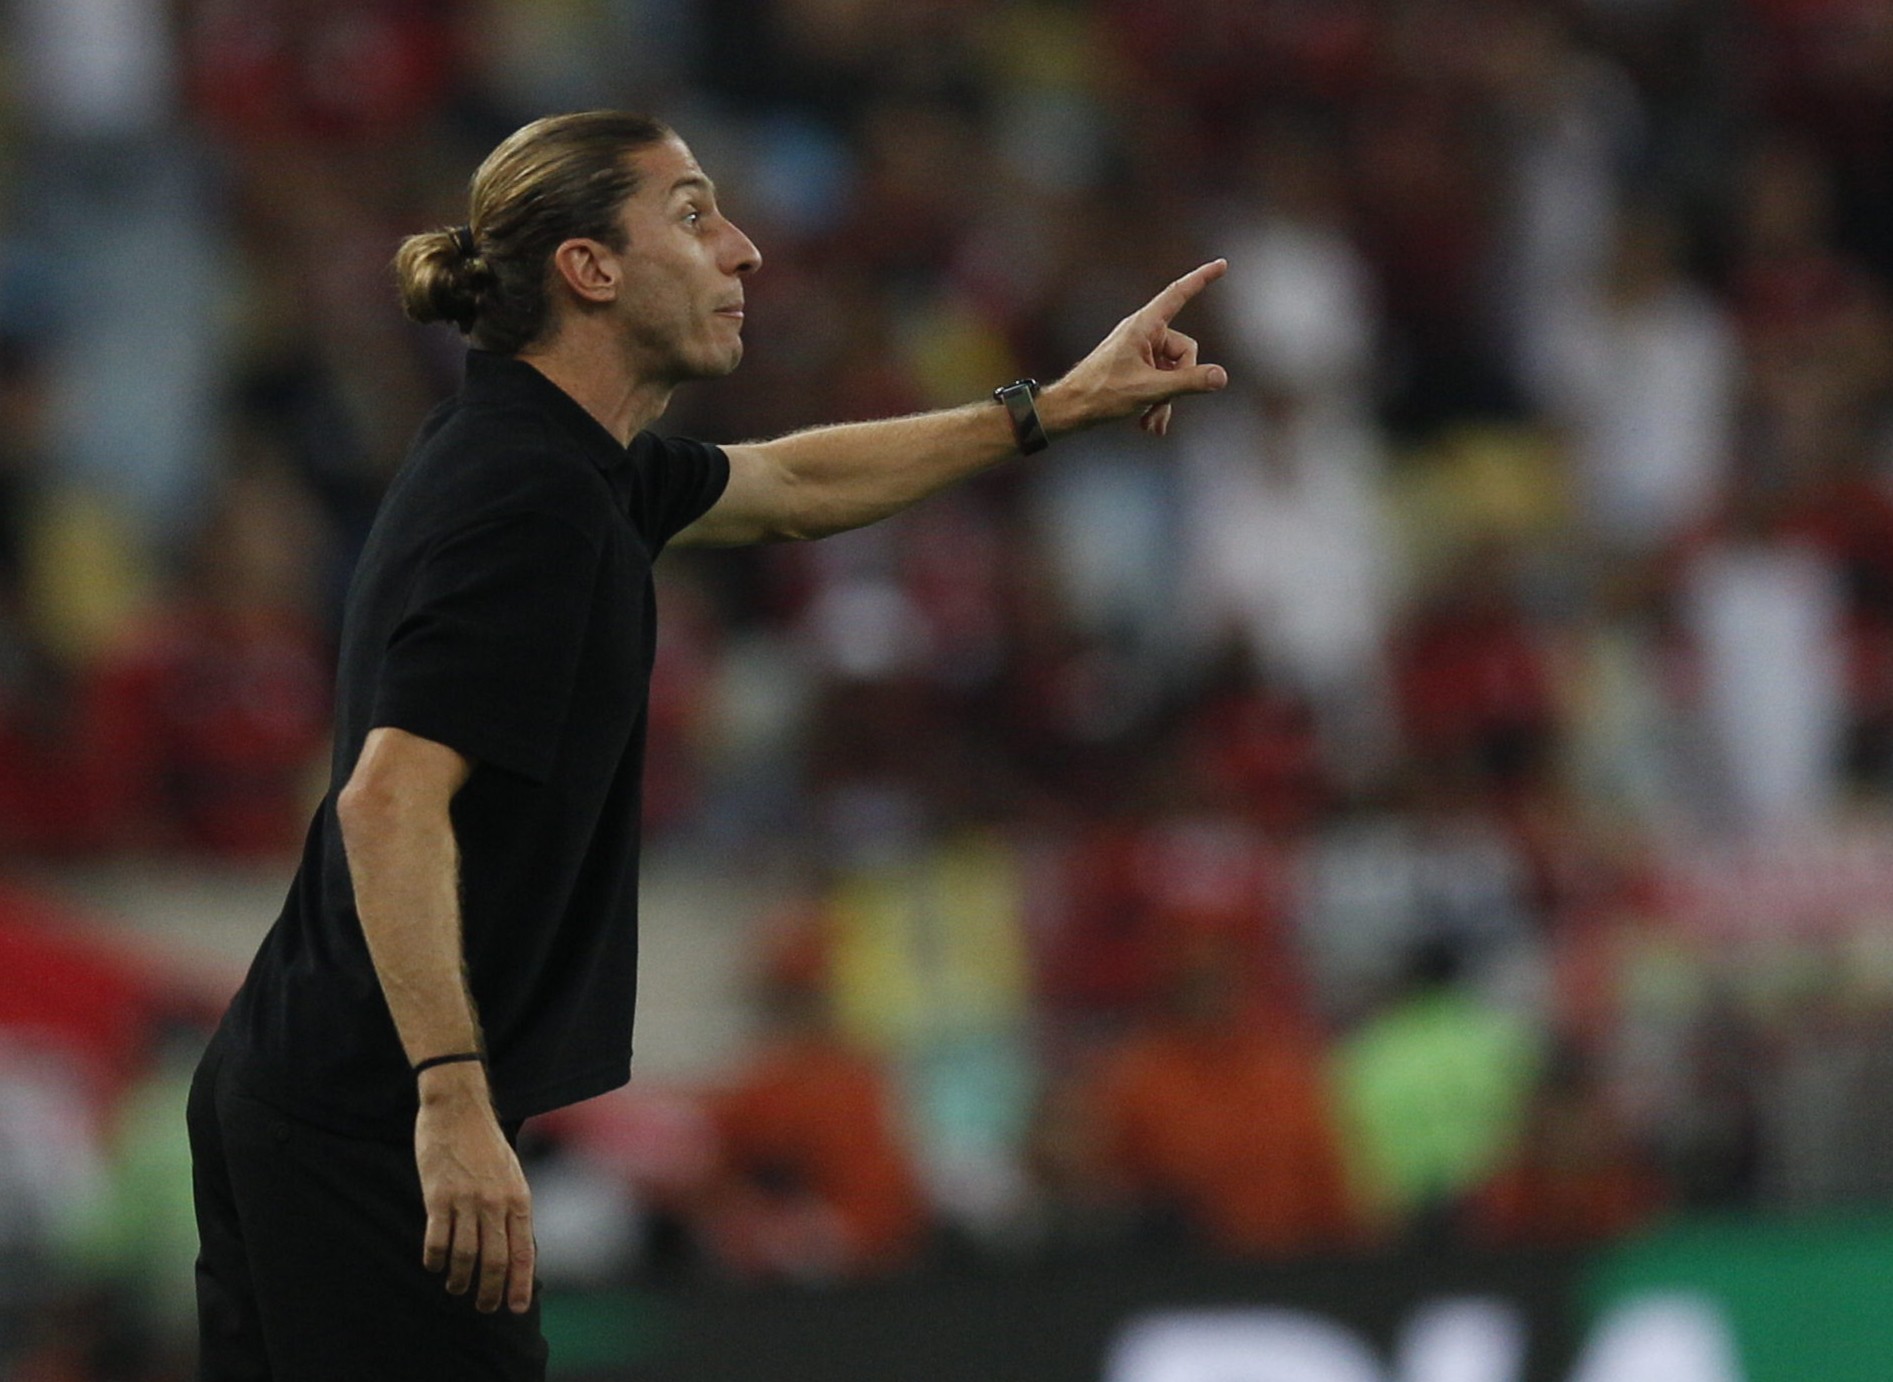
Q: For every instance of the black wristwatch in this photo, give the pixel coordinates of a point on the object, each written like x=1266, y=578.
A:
x=1016, y=398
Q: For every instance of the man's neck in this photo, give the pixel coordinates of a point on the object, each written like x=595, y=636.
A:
x=601, y=381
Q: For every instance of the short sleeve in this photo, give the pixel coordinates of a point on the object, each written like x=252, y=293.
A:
x=485, y=656
x=672, y=483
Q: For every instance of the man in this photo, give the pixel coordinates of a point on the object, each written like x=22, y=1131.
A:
x=457, y=952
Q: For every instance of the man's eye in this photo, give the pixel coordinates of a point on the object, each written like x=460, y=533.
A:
x=693, y=217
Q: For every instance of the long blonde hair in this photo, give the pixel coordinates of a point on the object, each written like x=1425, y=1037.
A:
x=559, y=178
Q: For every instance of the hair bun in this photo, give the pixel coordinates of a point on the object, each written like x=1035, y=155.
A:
x=439, y=278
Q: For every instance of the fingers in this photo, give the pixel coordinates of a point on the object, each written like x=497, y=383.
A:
x=1175, y=349
x=439, y=1236
x=1143, y=364
x=1188, y=379
x=519, y=1279
x=464, y=1255
x=1193, y=378
x=495, y=1258
x=494, y=1242
x=1173, y=299
x=1201, y=379
x=479, y=1208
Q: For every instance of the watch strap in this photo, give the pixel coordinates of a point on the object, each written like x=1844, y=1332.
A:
x=1017, y=398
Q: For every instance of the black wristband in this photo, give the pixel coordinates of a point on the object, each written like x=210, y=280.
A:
x=433, y=1061
x=1016, y=398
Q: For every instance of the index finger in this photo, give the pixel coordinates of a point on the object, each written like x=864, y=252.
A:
x=1171, y=300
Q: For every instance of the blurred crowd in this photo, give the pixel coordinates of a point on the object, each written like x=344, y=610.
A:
x=1440, y=794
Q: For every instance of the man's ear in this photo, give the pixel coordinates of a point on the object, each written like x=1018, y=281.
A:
x=589, y=268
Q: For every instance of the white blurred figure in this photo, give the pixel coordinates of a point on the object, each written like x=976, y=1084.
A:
x=1765, y=617
x=1568, y=115
x=1644, y=376
x=51, y=1167
x=1287, y=549
x=95, y=69
x=1107, y=516
x=1301, y=305
x=118, y=204
x=1285, y=544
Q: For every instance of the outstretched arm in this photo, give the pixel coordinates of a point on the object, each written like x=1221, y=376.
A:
x=829, y=479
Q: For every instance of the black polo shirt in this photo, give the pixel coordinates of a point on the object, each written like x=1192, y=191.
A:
x=503, y=606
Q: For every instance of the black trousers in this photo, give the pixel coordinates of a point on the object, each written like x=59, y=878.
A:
x=309, y=1267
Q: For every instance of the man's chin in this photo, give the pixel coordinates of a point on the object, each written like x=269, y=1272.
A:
x=711, y=364
x=724, y=363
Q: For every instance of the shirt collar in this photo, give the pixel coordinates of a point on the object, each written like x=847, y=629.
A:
x=493, y=378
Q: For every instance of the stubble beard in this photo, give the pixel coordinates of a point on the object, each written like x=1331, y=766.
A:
x=673, y=361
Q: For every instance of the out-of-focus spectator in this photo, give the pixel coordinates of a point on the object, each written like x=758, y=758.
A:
x=1644, y=374
x=50, y=1166
x=283, y=74
x=72, y=992
x=138, y=1237
x=1708, y=1134
x=1300, y=304
x=1633, y=750
x=1108, y=523
x=1290, y=555
x=931, y=975
x=1432, y=1092
x=206, y=731
x=619, y=1180
x=814, y=1180
x=73, y=1014
x=98, y=72
x=1426, y=160
x=1828, y=1140
x=1762, y=610
x=22, y=458
x=1122, y=899
x=1843, y=508
x=1571, y=123
x=535, y=57
x=1814, y=320
x=1257, y=751
x=32, y=731
x=1286, y=548
x=1573, y=1178
x=1433, y=865
x=121, y=215
x=1213, y=1119
x=1474, y=679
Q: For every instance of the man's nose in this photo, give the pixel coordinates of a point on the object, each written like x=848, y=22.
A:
x=744, y=257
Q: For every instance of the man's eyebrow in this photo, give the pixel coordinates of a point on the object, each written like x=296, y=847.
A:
x=696, y=180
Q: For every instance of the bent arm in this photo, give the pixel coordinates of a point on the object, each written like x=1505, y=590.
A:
x=398, y=833
x=829, y=479
x=405, y=867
